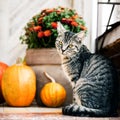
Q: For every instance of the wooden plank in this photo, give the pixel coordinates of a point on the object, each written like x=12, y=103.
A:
x=41, y=110
x=33, y=108
x=42, y=56
x=38, y=116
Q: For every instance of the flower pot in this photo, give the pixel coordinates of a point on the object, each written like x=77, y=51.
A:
x=48, y=60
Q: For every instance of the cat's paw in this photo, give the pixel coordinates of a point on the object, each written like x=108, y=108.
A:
x=67, y=109
x=70, y=109
x=74, y=110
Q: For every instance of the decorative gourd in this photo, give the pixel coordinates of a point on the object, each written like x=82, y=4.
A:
x=52, y=94
x=19, y=85
x=3, y=67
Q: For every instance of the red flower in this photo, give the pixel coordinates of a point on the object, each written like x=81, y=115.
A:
x=37, y=28
x=75, y=24
x=69, y=20
x=54, y=25
x=64, y=20
x=47, y=33
x=40, y=34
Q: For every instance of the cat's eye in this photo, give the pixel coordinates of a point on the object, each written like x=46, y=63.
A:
x=71, y=45
x=60, y=42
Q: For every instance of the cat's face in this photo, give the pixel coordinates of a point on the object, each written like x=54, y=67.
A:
x=68, y=43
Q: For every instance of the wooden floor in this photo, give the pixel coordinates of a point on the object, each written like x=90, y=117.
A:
x=37, y=116
x=39, y=113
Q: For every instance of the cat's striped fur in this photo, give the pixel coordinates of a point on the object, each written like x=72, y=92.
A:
x=92, y=76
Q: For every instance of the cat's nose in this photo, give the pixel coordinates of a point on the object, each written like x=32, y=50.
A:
x=63, y=51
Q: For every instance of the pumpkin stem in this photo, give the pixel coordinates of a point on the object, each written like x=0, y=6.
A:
x=19, y=60
x=49, y=77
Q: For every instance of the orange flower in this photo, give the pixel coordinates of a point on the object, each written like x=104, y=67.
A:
x=30, y=29
x=49, y=10
x=37, y=28
x=75, y=24
x=83, y=27
x=40, y=34
x=58, y=12
x=75, y=16
x=54, y=25
x=47, y=33
x=40, y=20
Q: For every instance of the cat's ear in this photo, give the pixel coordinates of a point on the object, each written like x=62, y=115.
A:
x=60, y=28
x=80, y=35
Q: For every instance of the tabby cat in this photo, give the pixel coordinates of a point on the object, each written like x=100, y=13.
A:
x=92, y=77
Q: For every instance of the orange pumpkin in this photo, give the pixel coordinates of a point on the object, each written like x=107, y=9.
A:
x=53, y=94
x=3, y=67
x=19, y=85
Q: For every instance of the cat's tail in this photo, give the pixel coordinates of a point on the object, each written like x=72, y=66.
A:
x=76, y=110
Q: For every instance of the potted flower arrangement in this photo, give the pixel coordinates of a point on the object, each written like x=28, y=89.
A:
x=41, y=32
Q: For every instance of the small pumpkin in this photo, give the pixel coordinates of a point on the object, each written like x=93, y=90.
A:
x=3, y=67
x=52, y=94
x=19, y=85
